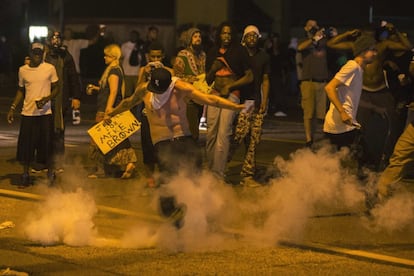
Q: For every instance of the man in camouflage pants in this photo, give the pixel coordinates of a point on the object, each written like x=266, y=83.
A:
x=249, y=122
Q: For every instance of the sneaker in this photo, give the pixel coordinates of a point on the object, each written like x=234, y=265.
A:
x=202, y=126
x=60, y=170
x=280, y=114
x=129, y=172
x=33, y=170
x=249, y=181
x=96, y=172
x=309, y=144
x=372, y=200
x=51, y=177
x=25, y=180
x=92, y=176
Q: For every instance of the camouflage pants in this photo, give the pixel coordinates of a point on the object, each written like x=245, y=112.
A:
x=249, y=129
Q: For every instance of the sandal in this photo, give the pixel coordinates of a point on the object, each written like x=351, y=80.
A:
x=129, y=171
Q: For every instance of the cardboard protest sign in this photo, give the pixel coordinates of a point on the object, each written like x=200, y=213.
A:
x=108, y=136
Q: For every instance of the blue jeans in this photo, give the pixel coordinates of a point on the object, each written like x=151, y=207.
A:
x=219, y=132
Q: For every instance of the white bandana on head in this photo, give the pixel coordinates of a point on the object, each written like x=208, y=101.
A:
x=158, y=100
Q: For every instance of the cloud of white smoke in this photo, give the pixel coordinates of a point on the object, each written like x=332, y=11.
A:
x=395, y=214
x=63, y=218
x=217, y=213
x=220, y=216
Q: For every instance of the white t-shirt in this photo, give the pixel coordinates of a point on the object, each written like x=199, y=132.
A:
x=37, y=83
x=126, y=49
x=349, y=94
x=74, y=47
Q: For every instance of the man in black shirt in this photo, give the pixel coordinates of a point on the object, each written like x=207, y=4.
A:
x=249, y=124
x=228, y=66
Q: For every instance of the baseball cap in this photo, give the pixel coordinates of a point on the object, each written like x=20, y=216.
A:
x=160, y=80
x=37, y=48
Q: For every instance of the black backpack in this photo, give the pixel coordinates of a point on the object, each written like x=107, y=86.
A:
x=134, y=57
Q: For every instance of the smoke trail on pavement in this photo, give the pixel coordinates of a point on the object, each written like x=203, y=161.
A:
x=220, y=216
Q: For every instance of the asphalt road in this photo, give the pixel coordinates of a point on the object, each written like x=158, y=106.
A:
x=308, y=217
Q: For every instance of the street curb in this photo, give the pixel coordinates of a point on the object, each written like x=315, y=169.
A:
x=102, y=208
x=352, y=253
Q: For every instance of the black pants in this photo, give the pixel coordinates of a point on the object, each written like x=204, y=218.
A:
x=380, y=133
x=181, y=154
x=346, y=139
x=194, y=113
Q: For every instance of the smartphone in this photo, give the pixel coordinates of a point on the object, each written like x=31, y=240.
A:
x=249, y=105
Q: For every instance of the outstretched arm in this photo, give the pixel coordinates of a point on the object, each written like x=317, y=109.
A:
x=201, y=98
x=131, y=101
x=342, y=41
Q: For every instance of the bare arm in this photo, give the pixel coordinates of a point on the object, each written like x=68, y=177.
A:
x=265, y=91
x=402, y=44
x=142, y=76
x=332, y=93
x=246, y=79
x=144, y=72
x=16, y=101
x=201, y=98
x=312, y=40
x=54, y=91
x=131, y=101
x=217, y=65
x=305, y=44
x=342, y=41
x=113, y=89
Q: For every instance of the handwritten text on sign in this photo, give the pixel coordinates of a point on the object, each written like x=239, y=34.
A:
x=108, y=136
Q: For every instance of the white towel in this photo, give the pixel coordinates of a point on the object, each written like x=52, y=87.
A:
x=158, y=100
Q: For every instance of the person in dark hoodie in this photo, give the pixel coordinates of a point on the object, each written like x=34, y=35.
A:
x=69, y=92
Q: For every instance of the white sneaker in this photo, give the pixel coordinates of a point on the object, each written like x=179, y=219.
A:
x=60, y=170
x=202, y=126
x=280, y=114
x=38, y=171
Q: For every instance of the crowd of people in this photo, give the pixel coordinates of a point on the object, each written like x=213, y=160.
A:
x=230, y=84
